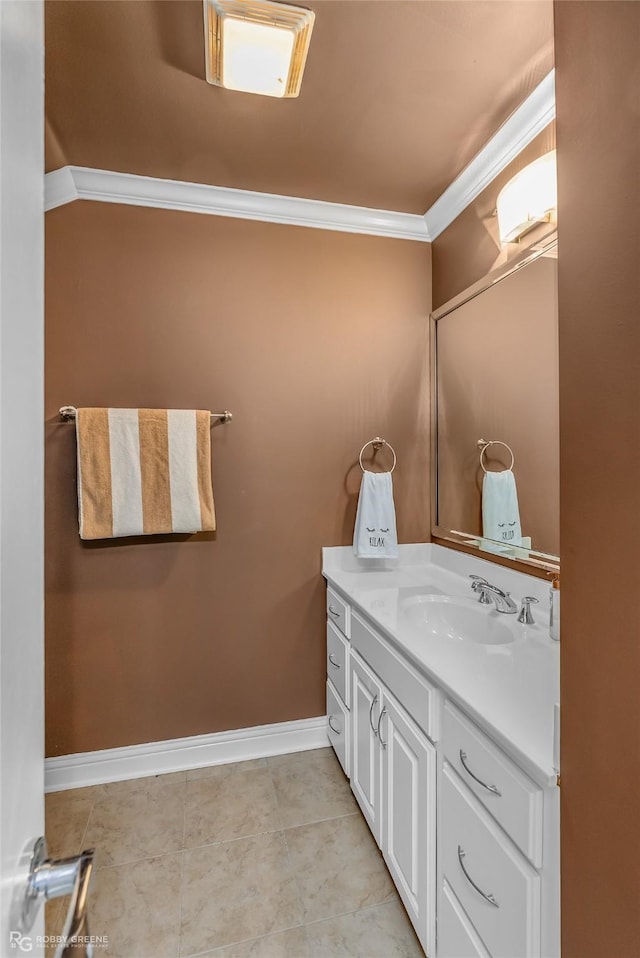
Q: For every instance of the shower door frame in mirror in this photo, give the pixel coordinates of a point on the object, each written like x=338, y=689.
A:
x=531, y=561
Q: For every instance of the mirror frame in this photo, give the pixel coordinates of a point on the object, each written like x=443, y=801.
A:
x=537, y=563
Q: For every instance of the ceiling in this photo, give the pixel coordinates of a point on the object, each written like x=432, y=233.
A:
x=397, y=97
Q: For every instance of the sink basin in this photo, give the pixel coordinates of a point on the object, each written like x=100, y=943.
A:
x=461, y=620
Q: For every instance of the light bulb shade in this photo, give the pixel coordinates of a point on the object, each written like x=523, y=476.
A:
x=530, y=197
x=256, y=46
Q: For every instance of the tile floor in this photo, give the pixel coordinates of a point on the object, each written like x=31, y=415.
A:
x=262, y=859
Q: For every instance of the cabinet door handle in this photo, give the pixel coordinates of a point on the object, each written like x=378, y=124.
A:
x=489, y=898
x=489, y=788
x=383, y=712
x=334, y=611
x=335, y=664
x=373, y=705
x=333, y=728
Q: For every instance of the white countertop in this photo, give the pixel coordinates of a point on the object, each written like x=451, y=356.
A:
x=511, y=690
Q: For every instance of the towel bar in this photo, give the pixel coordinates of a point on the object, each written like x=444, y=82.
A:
x=68, y=414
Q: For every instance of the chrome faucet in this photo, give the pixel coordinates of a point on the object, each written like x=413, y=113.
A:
x=491, y=593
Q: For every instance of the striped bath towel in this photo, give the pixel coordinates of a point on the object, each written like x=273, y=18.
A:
x=144, y=472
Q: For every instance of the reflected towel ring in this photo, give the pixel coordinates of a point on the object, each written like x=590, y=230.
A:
x=483, y=445
x=377, y=443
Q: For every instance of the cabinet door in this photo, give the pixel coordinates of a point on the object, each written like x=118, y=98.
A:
x=366, y=703
x=409, y=824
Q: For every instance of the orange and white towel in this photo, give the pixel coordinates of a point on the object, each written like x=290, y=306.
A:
x=144, y=472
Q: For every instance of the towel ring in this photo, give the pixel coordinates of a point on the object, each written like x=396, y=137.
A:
x=377, y=443
x=483, y=445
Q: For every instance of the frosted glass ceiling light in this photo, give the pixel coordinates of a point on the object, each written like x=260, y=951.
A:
x=256, y=46
x=530, y=197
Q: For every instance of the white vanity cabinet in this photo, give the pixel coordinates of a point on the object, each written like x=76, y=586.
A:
x=498, y=890
x=408, y=800
x=366, y=758
x=338, y=683
x=498, y=850
x=429, y=778
x=393, y=777
x=390, y=760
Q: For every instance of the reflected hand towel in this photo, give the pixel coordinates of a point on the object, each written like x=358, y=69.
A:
x=144, y=472
x=375, y=535
x=500, y=511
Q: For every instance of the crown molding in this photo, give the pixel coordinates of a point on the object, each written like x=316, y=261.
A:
x=531, y=117
x=59, y=188
x=82, y=183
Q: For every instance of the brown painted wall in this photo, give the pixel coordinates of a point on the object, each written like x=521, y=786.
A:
x=470, y=247
x=317, y=341
x=498, y=379
x=597, y=89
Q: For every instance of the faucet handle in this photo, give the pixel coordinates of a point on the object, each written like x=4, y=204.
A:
x=477, y=585
x=525, y=612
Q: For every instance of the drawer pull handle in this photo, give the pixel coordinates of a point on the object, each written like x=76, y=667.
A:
x=334, y=611
x=333, y=662
x=489, y=898
x=333, y=728
x=383, y=712
x=373, y=704
x=489, y=788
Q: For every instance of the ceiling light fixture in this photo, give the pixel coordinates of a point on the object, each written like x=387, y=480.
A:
x=256, y=46
x=529, y=198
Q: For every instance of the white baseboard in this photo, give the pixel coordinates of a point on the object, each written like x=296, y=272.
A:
x=178, y=754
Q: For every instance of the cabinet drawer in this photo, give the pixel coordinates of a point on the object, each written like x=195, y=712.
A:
x=457, y=938
x=417, y=696
x=512, y=798
x=338, y=611
x=480, y=863
x=338, y=727
x=338, y=662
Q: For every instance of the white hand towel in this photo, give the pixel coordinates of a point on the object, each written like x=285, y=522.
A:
x=500, y=512
x=375, y=535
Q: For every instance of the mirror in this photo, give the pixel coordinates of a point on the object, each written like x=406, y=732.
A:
x=496, y=376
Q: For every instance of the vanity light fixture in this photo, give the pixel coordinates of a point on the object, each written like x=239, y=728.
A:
x=529, y=198
x=256, y=46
